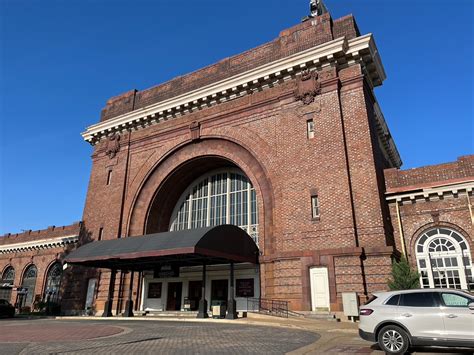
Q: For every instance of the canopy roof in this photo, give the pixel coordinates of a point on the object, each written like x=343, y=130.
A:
x=212, y=245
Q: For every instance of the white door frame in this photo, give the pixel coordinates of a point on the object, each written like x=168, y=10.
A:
x=319, y=300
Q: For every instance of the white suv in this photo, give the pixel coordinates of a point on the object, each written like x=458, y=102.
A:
x=423, y=317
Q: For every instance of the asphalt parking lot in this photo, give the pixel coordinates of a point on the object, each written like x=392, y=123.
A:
x=49, y=336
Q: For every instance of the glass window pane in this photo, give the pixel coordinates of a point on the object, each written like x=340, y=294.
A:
x=454, y=300
x=419, y=299
x=211, y=191
x=393, y=301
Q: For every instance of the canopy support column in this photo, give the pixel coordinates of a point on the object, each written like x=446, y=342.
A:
x=231, y=305
x=110, y=297
x=202, y=312
x=129, y=303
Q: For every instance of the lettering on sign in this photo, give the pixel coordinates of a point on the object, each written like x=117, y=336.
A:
x=244, y=288
x=166, y=271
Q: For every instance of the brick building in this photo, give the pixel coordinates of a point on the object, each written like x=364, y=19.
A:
x=286, y=141
x=431, y=211
x=32, y=261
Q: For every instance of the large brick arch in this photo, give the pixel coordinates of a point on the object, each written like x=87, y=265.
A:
x=163, y=185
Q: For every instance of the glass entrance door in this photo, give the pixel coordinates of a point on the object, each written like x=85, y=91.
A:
x=219, y=291
x=194, y=294
x=173, y=301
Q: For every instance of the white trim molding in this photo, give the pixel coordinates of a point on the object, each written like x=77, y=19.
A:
x=39, y=244
x=431, y=193
x=340, y=52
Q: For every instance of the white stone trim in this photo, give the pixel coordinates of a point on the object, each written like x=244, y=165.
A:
x=430, y=193
x=38, y=244
x=339, y=51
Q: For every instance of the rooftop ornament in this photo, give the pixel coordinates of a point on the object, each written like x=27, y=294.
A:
x=316, y=8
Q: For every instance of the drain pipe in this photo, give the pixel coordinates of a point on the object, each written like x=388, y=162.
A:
x=400, y=228
x=470, y=207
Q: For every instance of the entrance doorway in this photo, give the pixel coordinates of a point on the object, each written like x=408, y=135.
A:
x=173, y=301
x=29, y=284
x=319, y=288
x=194, y=294
x=91, y=286
x=219, y=291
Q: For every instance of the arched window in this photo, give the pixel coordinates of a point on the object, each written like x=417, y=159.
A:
x=53, y=282
x=444, y=260
x=29, y=283
x=6, y=285
x=220, y=197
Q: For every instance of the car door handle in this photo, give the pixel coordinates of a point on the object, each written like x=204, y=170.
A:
x=407, y=315
x=452, y=316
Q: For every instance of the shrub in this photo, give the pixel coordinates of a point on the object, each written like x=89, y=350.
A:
x=403, y=276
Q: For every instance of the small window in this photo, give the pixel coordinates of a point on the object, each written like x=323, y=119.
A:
x=454, y=300
x=315, y=206
x=310, y=128
x=419, y=299
x=101, y=231
x=109, y=177
x=393, y=301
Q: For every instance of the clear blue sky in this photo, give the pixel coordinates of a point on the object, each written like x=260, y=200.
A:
x=61, y=60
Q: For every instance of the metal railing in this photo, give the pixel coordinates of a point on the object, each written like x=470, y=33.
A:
x=276, y=308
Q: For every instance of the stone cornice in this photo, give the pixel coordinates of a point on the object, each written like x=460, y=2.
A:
x=432, y=193
x=39, y=244
x=339, y=52
x=389, y=149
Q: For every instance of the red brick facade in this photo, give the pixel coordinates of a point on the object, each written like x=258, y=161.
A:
x=438, y=196
x=42, y=248
x=264, y=134
x=138, y=177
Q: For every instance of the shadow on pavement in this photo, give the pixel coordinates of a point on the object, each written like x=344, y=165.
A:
x=424, y=349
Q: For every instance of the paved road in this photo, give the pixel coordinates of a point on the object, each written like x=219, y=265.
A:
x=48, y=336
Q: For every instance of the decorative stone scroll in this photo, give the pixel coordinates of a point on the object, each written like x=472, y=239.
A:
x=113, y=145
x=308, y=86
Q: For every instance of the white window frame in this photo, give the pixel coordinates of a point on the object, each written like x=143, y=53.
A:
x=310, y=128
x=249, y=227
x=428, y=257
x=315, y=207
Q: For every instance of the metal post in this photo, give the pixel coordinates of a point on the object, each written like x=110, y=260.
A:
x=202, y=313
x=231, y=306
x=110, y=297
x=129, y=303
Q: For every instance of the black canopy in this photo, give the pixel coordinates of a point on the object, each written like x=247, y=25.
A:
x=212, y=245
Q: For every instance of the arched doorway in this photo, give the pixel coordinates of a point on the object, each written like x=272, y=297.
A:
x=29, y=283
x=205, y=192
x=8, y=278
x=444, y=259
x=53, y=282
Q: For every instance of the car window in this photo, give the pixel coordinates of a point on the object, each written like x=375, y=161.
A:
x=371, y=299
x=419, y=299
x=393, y=301
x=454, y=300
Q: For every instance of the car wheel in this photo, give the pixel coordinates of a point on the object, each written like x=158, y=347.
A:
x=393, y=340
